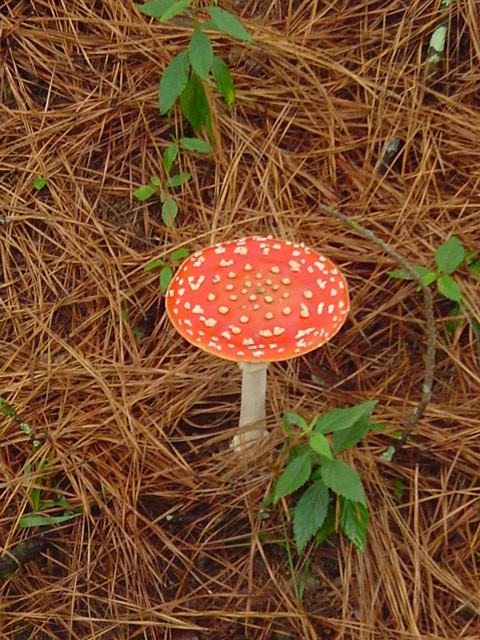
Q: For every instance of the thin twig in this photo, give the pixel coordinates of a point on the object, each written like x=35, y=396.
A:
x=429, y=315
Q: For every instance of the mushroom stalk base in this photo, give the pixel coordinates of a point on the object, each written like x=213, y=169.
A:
x=252, y=411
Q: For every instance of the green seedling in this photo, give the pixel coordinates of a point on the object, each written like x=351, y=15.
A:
x=332, y=494
x=39, y=471
x=185, y=77
x=163, y=191
x=167, y=266
x=39, y=183
x=448, y=258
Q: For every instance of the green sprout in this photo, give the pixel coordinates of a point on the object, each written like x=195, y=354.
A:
x=167, y=266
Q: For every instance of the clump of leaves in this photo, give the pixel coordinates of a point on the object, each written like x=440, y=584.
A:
x=164, y=191
x=39, y=183
x=448, y=258
x=189, y=71
x=332, y=493
x=167, y=266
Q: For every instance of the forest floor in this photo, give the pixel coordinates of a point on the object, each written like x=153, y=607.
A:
x=156, y=525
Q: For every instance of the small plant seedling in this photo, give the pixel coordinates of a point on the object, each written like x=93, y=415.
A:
x=155, y=188
x=39, y=183
x=448, y=258
x=167, y=266
x=40, y=516
x=186, y=75
x=332, y=492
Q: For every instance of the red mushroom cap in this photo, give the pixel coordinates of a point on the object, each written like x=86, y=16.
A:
x=257, y=299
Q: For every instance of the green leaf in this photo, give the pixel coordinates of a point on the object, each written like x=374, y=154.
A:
x=402, y=274
x=328, y=527
x=320, y=445
x=43, y=520
x=195, y=145
x=169, y=211
x=169, y=156
x=175, y=9
x=180, y=254
x=155, y=180
x=144, y=193
x=292, y=419
x=224, y=81
x=295, y=476
x=166, y=275
x=158, y=262
x=450, y=255
x=200, y=51
x=228, y=23
x=194, y=103
x=447, y=286
x=348, y=437
x=177, y=180
x=39, y=183
x=310, y=514
x=344, y=418
x=475, y=266
x=173, y=81
x=343, y=480
x=388, y=454
x=155, y=8
x=353, y=522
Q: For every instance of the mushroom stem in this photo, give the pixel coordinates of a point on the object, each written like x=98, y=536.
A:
x=252, y=410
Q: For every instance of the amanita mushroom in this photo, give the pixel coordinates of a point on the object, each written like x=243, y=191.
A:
x=257, y=300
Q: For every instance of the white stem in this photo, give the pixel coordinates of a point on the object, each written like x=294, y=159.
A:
x=252, y=410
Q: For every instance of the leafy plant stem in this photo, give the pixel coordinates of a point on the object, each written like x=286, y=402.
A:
x=429, y=315
x=290, y=560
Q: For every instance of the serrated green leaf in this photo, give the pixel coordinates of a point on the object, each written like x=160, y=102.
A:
x=328, y=527
x=177, y=180
x=224, y=81
x=195, y=145
x=169, y=156
x=194, y=103
x=166, y=275
x=343, y=480
x=39, y=183
x=228, y=23
x=320, y=445
x=175, y=9
x=295, y=476
x=200, y=51
x=155, y=8
x=169, y=211
x=180, y=254
x=158, y=262
x=343, y=418
x=349, y=437
x=447, y=286
x=450, y=255
x=353, y=522
x=310, y=514
x=173, y=82
x=144, y=193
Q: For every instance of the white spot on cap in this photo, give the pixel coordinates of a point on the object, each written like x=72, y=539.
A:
x=258, y=354
x=248, y=267
x=265, y=333
x=186, y=305
x=294, y=265
x=320, y=308
x=333, y=292
x=275, y=269
x=225, y=263
x=220, y=250
x=268, y=299
x=307, y=294
x=330, y=308
x=240, y=249
x=197, y=309
x=235, y=330
x=247, y=342
x=223, y=310
x=211, y=297
x=322, y=283
x=286, y=311
x=269, y=315
x=304, y=312
x=216, y=278
x=209, y=322
x=243, y=319
x=232, y=274
x=195, y=285
x=277, y=331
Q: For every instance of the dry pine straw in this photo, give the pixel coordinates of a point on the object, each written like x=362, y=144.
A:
x=134, y=431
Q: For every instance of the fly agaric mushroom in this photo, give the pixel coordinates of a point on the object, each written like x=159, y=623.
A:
x=255, y=301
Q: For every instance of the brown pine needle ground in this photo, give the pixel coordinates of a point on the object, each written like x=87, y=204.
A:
x=133, y=423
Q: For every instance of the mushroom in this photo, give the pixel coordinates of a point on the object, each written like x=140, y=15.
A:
x=254, y=301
